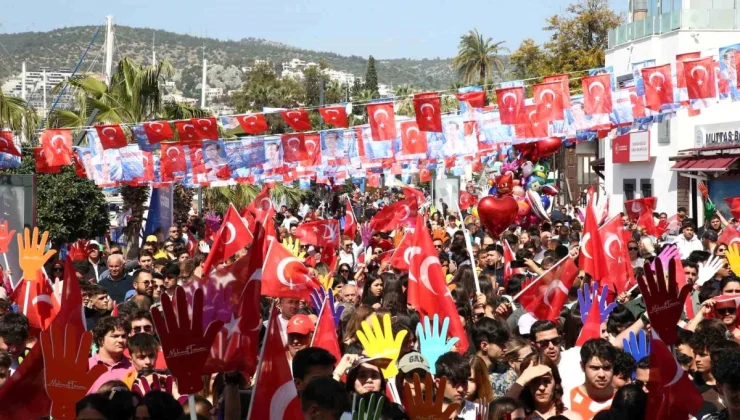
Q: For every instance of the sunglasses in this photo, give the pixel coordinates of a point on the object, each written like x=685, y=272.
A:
x=632, y=248
x=145, y=328
x=726, y=311
x=344, y=271
x=60, y=269
x=543, y=344
x=479, y=315
x=438, y=246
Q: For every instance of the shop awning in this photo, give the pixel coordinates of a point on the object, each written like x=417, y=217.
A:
x=714, y=164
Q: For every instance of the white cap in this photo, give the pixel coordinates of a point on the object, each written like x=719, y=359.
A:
x=525, y=323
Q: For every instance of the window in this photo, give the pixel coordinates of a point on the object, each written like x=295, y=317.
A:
x=646, y=187
x=628, y=186
x=586, y=175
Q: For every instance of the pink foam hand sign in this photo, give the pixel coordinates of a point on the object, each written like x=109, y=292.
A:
x=66, y=375
x=5, y=237
x=185, y=345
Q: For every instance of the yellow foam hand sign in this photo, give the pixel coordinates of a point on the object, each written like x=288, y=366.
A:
x=294, y=246
x=326, y=281
x=31, y=253
x=733, y=257
x=379, y=342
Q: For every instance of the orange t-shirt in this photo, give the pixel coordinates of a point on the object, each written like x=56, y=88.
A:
x=582, y=404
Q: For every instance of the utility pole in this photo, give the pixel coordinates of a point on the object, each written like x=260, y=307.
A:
x=44, y=94
x=108, y=48
x=321, y=98
x=23, y=96
x=203, y=82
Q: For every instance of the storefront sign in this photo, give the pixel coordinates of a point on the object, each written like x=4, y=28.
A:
x=722, y=134
x=631, y=147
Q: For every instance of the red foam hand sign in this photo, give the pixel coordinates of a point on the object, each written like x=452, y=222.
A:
x=5, y=237
x=66, y=375
x=663, y=300
x=184, y=343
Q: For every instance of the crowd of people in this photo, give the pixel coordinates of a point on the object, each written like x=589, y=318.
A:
x=516, y=366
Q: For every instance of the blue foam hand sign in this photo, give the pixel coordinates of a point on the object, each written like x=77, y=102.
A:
x=585, y=300
x=637, y=345
x=605, y=308
x=433, y=341
x=318, y=296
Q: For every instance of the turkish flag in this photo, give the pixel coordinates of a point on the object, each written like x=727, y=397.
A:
x=474, y=99
x=413, y=140
x=428, y=112
x=427, y=287
x=325, y=336
x=382, y=121
x=57, y=145
x=232, y=236
x=530, y=126
x=414, y=194
x=172, y=160
x=672, y=394
x=294, y=147
x=729, y=236
x=261, y=206
x=207, y=128
x=591, y=258
x=7, y=145
x=400, y=213
x=564, y=83
x=187, y=132
x=510, y=104
x=283, y=275
x=508, y=258
x=400, y=258
x=597, y=94
x=647, y=222
x=158, y=131
x=637, y=104
x=425, y=175
x=373, y=180
x=111, y=136
x=319, y=233
x=274, y=394
x=592, y=325
x=699, y=75
x=680, y=58
x=545, y=296
x=335, y=116
x=734, y=205
x=36, y=300
x=148, y=162
x=658, y=86
x=350, y=222
x=42, y=167
x=252, y=123
x=313, y=150
x=27, y=383
x=616, y=255
x=297, y=119
x=549, y=99
x=466, y=199
x=635, y=208
x=197, y=165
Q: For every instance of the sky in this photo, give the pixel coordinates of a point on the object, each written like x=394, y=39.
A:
x=382, y=28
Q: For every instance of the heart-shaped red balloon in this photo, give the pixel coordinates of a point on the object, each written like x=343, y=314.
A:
x=497, y=213
x=548, y=146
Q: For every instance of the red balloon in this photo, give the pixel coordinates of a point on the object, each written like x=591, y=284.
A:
x=548, y=146
x=497, y=213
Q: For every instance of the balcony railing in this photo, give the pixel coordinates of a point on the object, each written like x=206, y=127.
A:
x=712, y=19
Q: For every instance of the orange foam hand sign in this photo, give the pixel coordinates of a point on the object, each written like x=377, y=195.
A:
x=31, y=253
x=430, y=408
x=66, y=375
x=185, y=345
x=5, y=237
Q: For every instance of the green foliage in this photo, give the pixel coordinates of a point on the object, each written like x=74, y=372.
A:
x=61, y=48
x=13, y=111
x=371, y=78
x=68, y=206
x=134, y=203
x=183, y=202
x=312, y=85
x=477, y=58
x=219, y=198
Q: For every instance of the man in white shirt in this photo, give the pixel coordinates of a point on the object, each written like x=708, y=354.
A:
x=544, y=335
x=687, y=242
x=349, y=252
x=289, y=219
x=288, y=307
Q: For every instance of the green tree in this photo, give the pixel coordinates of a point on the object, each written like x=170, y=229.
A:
x=13, y=111
x=477, y=58
x=580, y=35
x=529, y=61
x=405, y=100
x=371, y=78
x=312, y=78
x=218, y=199
x=68, y=206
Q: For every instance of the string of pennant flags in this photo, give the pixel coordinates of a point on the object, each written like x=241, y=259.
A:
x=191, y=151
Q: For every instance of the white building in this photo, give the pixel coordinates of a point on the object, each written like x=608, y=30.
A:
x=35, y=88
x=385, y=90
x=678, y=156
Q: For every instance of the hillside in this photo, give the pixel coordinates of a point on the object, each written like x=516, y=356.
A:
x=62, y=48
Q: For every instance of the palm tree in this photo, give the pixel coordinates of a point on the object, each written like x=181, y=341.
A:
x=13, y=112
x=478, y=57
x=219, y=198
x=405, y=100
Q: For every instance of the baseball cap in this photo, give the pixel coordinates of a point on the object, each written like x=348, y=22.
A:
x=412, y=361
x=93, y=243
x=300, y=324
x=151, y=238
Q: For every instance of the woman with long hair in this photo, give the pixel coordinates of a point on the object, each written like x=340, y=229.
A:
x=540, y=390
x=479, y=388
x=517, y=349
x=464, y=277
x=394, y=298
x=345, y=272
x=354, y=324
x=372, y=290
x=365, y=378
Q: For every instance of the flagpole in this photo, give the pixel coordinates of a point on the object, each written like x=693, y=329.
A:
x=7, y=266
x=538, y=279
x=318, y=322
x=469, y=246
x=259, y=363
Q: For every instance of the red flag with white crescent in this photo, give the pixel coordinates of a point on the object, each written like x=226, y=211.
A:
x=172, y=162
x=466, y=200
x=382, y=121
x=597, y=94
x=700, y=80
x=635, y=208
x=413, y=140
x=401, y=258
x=319, y=232
x=111, y=136
x=733, y=203
x=261, y=205
x=428, y=112
x=158, y=131
x=57, y=145
x=297, y=119
x=400, y=213
x=549, y=99
x=187, y=133
x=335, y=116
x=350, y=222
x=730, y=235
x=545, y=297
x=563, y=79
x=510, y=104
x=274, y=394
x=294, y=147
x=42, y=167
x=207, y=128
x=427, y=287
x=591, y=258
x=283, y=275
x=616, y=255
x=36, y=300
x=232, y=236
x=325, y=336
x=637, y=104
x=252, y=123
x=474, y=99
x=7, y=145
x=680, y=58
x=658, y=86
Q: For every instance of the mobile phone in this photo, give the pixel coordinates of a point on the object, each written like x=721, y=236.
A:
x=518, y=264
